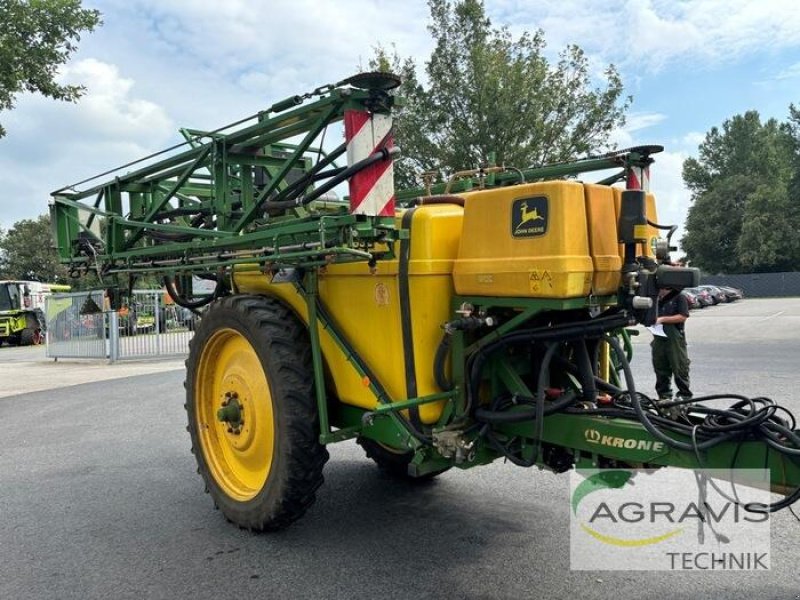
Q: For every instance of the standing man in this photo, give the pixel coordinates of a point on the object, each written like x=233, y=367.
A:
x=670, y=356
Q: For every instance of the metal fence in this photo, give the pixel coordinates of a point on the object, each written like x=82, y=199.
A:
x=151, y=328
x=760, y=285
x=147, y=327
x=74, y=328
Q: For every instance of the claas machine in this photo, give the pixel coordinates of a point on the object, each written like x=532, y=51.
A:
x=22, y=311
x=477, y=318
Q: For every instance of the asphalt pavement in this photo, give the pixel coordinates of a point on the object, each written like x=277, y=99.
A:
x=27, y=369
x=99, y=499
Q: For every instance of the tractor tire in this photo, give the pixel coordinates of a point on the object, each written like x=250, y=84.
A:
x=261, y=463
x=393, y=462
x=28, y=337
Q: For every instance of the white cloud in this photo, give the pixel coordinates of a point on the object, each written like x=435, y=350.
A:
x=635, y=123
x=289, y=43
x=638, y=121
x=108, y=109
x=51, y=144
x=672, y=196
x=790, y=72
x=693, y=139
x=652, y=33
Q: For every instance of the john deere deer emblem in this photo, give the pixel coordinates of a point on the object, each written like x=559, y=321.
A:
x=529, y=217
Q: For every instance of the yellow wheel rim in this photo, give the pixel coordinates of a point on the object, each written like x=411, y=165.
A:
x=238, y=451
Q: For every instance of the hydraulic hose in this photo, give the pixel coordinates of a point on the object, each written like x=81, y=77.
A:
x=486, y=415
x=439, y=361
x=720, y=425
x=343, y=175
x=644, y=418
x=585, y=371
x=192, y=305
x=538, y=416
x=312, y=176
x=594, y=327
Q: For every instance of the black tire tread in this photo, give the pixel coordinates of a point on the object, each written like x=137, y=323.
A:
x=27, y=336
x=284, y=338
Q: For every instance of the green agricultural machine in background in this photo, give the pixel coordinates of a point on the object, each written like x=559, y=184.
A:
x=480, y=318
x=22, y=311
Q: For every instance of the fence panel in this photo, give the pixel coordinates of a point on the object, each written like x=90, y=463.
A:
x=71, y=334
x=150, y=328
x=147, y=327
x=760, y=285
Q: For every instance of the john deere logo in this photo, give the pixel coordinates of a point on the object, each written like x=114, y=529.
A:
x=529, y=217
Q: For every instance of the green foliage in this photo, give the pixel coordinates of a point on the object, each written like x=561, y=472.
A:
x=769, y=239
x=714, y=223
x=489, y=93
x=411, y=120
x=36, y=38
x=27, y=252
x=743, y=218
x=792, y=128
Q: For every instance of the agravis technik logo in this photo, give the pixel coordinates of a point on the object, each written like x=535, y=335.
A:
x=667, y=519
x=614, y=479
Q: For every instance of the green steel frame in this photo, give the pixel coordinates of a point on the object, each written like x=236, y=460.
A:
x=621, y=161
x=206, y=207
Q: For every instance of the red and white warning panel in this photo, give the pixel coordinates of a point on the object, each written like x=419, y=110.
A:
x=639, y=178
x=371, y=189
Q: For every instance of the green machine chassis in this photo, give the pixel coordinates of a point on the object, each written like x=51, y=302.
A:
x=251, y=194
x=13, y=323
x=19, y=324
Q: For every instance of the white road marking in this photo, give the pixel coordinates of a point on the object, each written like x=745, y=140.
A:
x=777, y=314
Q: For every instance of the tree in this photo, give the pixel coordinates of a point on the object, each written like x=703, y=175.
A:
x=769, y=239
x=36, y=38
x=714, y=224
x=28, y=252
x=489, y=93
x=744, y=145
x=742, y=219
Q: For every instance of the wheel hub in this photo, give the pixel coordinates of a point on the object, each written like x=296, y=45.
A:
x=232, y=413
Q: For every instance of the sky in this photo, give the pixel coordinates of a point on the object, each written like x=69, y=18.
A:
x=157, y=65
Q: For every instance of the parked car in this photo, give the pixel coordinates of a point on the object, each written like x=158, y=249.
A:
x=732, y=293
x=717, y=295
x=703, y=297
x=691, y=298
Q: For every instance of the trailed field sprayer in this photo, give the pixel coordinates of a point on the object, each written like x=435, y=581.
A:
x=477, y=319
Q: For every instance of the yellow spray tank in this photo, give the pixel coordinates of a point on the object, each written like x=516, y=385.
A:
x=525, y=241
